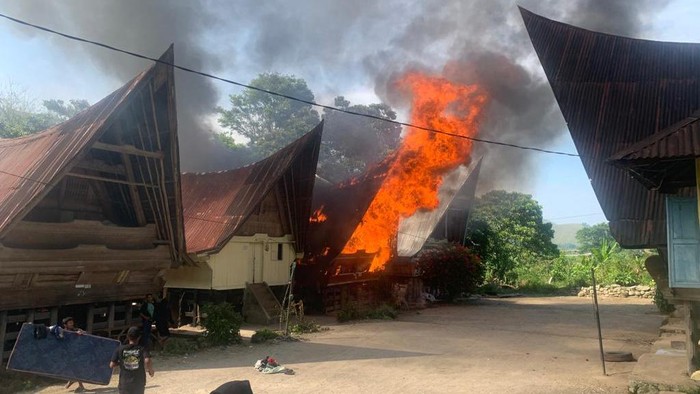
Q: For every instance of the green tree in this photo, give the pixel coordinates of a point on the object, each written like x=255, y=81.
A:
x=591, y=238
x=508, y=231
x=64, y=110
x=351, y=143
x=18, y=115
x=270, y=122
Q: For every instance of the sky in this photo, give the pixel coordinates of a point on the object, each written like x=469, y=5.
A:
x=340, y=49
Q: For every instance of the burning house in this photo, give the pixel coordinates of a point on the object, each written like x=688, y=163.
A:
x=631, y=107
x=334, y=277
x=90, y=211
x=244, y=228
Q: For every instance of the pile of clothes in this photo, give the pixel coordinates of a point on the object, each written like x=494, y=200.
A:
x=270, y=365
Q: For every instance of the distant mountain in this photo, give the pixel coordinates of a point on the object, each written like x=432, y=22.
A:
x=565, y=235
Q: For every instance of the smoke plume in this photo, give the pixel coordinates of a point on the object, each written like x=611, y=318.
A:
x=342, y=48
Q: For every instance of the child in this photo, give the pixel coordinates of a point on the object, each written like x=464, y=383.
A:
x=69, y=325
x=133, y=361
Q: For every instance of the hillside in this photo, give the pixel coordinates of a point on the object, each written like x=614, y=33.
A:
x=565, y=235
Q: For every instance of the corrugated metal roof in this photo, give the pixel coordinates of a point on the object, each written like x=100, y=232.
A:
x=32, y=165
x=456, y=195
x=681, y=140
x=216, y=204
x=613, y=92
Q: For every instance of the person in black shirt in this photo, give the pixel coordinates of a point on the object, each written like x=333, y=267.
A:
x=147, y=311
x=163, y=320
x=133, y=361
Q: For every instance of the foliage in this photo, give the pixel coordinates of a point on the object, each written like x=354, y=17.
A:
x=18, y=115
x=223, y=324
x=305, y=327
x=451, y=269
x=270, y=122
x=349, y=311
x=352, y=143
x=591, y=238
x=508, y=232
x=662, y=304
x=263, y=335
x=180, y=346
x=383, y=312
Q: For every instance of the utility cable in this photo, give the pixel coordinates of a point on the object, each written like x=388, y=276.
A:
x=286, y=96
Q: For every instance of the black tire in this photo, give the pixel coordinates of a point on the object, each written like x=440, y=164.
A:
x=618, y=357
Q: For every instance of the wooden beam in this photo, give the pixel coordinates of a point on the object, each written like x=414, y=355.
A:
x=133, y=191
x=110, y=318
x=128, y=149
x=103, y=179
x=101, y=166
x=3, y=331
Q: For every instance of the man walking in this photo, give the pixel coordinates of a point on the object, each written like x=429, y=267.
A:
x=133, y=361
x=147, y=310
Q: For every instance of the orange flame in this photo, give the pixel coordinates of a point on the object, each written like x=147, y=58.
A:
x=318, y=216
x=422, y=159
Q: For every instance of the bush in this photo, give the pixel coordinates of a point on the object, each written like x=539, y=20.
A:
x=451, y=269
x=223, y=324
x=349, y=311
x=180, y=346
x=383, y=312
x=263, y=335
x=305, y=327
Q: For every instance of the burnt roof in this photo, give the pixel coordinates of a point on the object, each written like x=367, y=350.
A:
x=613, y=92
x=216, y=204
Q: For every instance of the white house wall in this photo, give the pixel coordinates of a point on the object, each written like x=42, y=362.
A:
x=252, y=259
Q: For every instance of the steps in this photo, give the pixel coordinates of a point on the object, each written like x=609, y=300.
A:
x=260, y=306
x=665, y=366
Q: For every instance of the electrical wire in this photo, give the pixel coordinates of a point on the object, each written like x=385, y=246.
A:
x=270, y=92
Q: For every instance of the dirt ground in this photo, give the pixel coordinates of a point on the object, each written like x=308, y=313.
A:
x=514, y=345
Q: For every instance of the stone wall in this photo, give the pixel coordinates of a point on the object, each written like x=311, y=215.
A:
x=639, y=291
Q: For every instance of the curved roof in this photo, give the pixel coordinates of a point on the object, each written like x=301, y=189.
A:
x=216, y=204
x=613, y=92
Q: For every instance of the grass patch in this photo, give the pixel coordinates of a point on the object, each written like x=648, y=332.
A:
x=351, y=311
x=264, y=335
x=305, y=327
x=181, y=346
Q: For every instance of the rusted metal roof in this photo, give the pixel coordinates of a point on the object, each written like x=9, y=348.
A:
x=30, y=166
x=216, y=204
x=613, y=92
x=664, y=161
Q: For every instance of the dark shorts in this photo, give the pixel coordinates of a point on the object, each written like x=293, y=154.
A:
x=132, y=389
x=163, y=330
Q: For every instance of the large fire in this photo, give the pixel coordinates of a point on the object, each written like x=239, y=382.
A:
x=422, y=160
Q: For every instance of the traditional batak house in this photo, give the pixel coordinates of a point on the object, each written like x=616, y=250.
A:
x=631, y=107
x=243, y=230
x=90, y=211
x=333, y=279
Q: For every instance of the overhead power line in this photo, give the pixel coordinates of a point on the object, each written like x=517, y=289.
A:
x=313, y=103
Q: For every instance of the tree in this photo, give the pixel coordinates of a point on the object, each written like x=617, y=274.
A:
x=351, y=143
x=18, y=115
x=591, y=238
x=270, y=122
x=508, y=231
x=63, y=110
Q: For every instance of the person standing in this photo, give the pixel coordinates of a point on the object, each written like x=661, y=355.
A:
x=133, y=361
x=68, y=324
x=147, y=310
x=163, y=320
